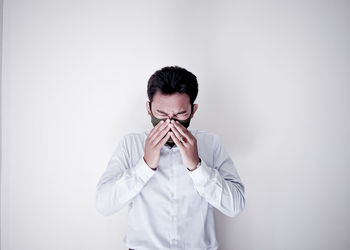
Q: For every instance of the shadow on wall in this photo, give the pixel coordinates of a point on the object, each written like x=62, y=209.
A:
x=225, y=109
x=227, y=112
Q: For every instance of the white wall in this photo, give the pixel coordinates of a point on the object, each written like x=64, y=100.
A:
x=274, y=82
x=0, y=108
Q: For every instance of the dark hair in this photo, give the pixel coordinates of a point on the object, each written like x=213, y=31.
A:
x=172, y=79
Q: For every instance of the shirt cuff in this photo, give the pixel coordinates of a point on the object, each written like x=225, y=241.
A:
x=143, y=171
x=201, y=174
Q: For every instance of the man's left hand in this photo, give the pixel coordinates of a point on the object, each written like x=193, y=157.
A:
x=188, y=148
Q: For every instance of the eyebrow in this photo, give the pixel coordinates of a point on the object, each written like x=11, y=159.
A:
x=179, y=113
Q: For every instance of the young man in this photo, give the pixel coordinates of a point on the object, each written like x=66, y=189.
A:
x=171, y=177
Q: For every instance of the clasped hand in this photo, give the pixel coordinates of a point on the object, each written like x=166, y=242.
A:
x=161, y=133
x=188, y=145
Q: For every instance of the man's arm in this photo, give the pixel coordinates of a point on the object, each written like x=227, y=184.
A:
x=120, y=182
x=220, y=185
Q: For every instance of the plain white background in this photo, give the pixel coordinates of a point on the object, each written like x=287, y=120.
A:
x=274, y=83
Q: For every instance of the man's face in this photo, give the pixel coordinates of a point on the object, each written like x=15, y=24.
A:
x=174, y=106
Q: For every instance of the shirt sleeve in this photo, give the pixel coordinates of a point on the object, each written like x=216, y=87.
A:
x=120, y=182
x=220, y=184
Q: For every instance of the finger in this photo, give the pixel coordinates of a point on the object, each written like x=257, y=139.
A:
x=155, y=128
x=164, y=140
x=176, y=133
x=177, y=141
x=187, y=139
x=161, y=134
x=159, y=127
x=182, y=130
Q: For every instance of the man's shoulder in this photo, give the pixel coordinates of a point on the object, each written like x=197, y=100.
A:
x=200, y=132
x=135, y=136
x=205, y=135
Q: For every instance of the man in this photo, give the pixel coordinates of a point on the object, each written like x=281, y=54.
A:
x=170, y=176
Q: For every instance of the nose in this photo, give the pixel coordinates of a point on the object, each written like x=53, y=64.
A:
x=172, y=118
x=169, y=117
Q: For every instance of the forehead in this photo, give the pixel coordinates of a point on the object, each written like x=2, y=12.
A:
x=168, y=102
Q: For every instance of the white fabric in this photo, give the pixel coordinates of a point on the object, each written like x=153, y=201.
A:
x=170, y=207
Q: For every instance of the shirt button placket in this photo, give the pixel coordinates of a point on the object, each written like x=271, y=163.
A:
x=173, y=236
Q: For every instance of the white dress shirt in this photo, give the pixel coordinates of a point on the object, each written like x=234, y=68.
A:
x=170, y=207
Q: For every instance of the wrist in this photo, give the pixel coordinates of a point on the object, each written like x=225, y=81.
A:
x=197, y=165
x=154, y=169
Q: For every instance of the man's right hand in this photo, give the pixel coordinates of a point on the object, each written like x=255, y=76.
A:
x=155, y=141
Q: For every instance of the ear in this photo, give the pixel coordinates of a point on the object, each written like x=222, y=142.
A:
x=147, y=108
x=195, y=107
